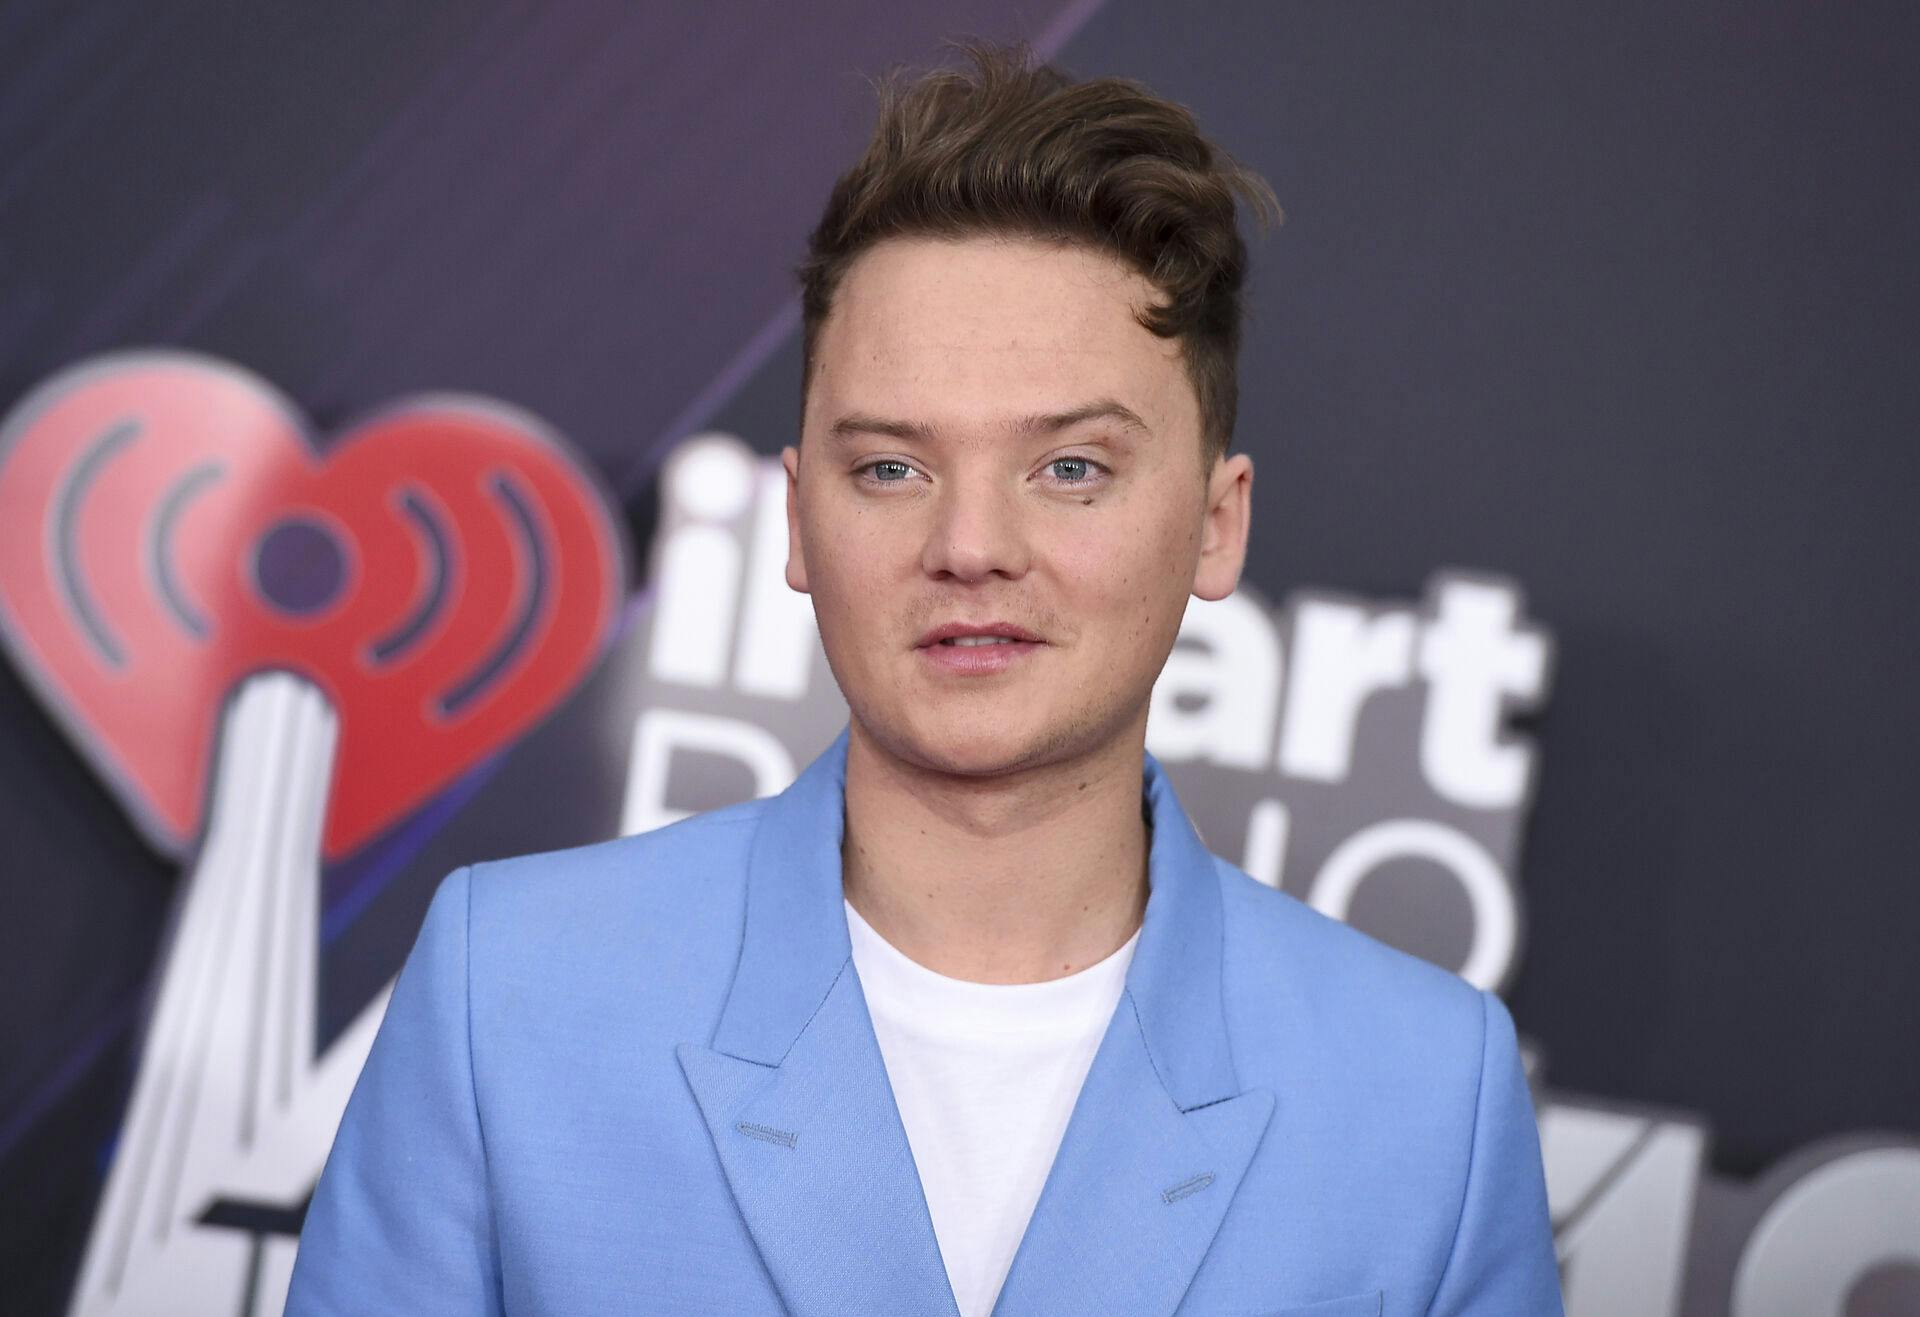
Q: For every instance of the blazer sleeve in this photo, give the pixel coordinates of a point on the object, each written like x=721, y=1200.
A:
x=401, y=1219
x=1502, y=1259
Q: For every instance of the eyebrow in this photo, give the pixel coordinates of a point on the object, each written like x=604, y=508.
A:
x=1110, y=409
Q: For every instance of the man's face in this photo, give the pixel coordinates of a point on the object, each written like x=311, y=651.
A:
x=999, y=503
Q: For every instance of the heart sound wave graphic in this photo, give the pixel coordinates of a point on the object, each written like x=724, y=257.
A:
x=445, y=573
x=272, y=655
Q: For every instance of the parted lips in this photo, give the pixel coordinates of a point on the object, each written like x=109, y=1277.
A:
x=446, y=572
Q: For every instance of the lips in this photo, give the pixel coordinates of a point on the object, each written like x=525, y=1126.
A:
x=977, y=649
x=977, y=633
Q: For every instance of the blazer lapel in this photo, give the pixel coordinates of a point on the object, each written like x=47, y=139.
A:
x=794, y=1089
x=1137, y=1191
x=795, y=1096
x=1162, y=1133
x=818, y=1161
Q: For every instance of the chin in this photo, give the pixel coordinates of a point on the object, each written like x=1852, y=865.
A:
x=962, y=747
x=977, y=742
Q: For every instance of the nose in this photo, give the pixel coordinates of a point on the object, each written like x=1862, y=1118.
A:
x=975, y=532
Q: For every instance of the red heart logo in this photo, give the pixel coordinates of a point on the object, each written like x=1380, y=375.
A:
x=446, y=573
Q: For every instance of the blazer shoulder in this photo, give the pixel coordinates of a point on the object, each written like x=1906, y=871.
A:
x=665, y=882
x=1311, y=972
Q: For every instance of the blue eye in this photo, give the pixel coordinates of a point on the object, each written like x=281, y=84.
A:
x=889, y=473
x=1071, y=469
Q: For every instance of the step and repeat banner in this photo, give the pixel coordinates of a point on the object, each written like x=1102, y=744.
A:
x=386, y=482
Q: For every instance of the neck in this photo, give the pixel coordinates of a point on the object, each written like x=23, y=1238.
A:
x=1012, y=879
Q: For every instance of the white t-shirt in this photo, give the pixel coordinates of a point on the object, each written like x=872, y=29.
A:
x=985, y=1076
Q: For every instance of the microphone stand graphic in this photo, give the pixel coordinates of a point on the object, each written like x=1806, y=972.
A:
x=232, y=1113
x=438, y=576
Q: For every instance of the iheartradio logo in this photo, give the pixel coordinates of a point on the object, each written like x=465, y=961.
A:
x=445, y=572
x=270, y=654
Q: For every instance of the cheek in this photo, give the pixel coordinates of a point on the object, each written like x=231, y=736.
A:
x=1130, y=579
x=850, y=554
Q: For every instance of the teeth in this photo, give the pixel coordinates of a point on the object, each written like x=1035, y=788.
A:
x=979, y=640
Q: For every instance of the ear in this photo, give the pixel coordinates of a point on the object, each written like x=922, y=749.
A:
x=1223, y=530
x=796, y=555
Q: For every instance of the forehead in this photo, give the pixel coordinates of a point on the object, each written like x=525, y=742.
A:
x=975, y=329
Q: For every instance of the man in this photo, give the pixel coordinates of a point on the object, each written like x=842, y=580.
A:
x=966, y=1019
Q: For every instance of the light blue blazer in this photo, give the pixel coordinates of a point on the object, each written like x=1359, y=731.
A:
x=640, y=1077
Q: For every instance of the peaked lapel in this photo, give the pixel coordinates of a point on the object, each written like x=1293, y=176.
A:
x=818, y=1161
x=1162, y=1133
x=796, y=1098
x=795, y=1091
